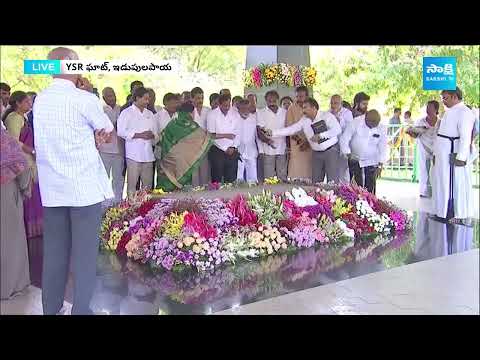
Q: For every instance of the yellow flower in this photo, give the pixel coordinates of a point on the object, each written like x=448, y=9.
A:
x=172, y=225
x=159, y=192
x=196, y=249
x=180, y=245
x=272, y=181
x=284, y=245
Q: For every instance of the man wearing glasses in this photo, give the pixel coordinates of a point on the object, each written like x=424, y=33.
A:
x=452, y=150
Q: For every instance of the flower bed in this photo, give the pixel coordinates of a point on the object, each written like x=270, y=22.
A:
x=174, y=234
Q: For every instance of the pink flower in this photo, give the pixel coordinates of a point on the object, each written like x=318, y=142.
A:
x=399, y=219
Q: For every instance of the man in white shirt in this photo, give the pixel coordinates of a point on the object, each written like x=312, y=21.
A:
x=425, y=133
x=285, y=102
x=247, y=167
x=364, y=142
x=344, y=117
x=452, y=166
x=252, y=99
x=321, y=129
x=213, y=99
x=151, y=104
x=69, y=124
x=113, y=153
x=223, y=126
x=136, y=124
x=134, y=85
x=202, y=175
x=235, y=101
x=273, y=117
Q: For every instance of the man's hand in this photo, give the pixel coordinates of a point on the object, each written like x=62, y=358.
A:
x=145, y=135
x=102, y=137
x=378, y=172
x=230, y=151
x=148, y=135
x=454, y=161
x=315, y=138
x=410, y=132
x=84, y=84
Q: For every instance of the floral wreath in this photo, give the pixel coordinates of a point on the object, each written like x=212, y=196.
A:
x=284, y=74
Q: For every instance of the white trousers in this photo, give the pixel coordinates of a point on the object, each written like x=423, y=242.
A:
x=138, y=170
x=425, y=163
x=114, y=164
x=247, y=170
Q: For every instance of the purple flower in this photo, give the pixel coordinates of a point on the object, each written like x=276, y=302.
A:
x=167, y=262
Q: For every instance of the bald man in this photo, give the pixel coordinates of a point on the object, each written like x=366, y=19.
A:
x=69, y=125
x=364, y=143
x=113, y=153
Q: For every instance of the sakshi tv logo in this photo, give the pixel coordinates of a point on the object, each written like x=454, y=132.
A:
x=439, y=73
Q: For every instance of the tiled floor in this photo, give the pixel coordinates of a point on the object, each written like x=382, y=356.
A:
x=444, y=286
x=30, y=303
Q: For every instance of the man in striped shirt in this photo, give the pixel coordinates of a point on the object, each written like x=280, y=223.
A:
x=69, y=125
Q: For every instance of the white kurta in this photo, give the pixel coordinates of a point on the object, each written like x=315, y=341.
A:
x=458, y=121
x=425, y=154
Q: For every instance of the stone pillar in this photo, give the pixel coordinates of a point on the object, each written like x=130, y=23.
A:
x=298, y=55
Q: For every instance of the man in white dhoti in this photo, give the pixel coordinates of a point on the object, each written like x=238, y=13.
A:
x=452, y=150
x=424, y=131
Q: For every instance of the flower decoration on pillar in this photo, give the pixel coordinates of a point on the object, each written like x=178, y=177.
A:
x=282, y=74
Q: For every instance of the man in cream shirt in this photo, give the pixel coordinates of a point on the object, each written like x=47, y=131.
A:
x=137, y=125
x=364, y=143
x=113, y=153
x=273, y=117
x=324, y=144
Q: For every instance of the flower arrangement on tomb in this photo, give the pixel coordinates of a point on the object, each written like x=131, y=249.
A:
x=283, y=74
x=174, y=234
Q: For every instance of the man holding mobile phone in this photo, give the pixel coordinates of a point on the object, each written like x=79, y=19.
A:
x=69, y=126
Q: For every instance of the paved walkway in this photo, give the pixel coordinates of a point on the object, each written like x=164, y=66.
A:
x=443, y=286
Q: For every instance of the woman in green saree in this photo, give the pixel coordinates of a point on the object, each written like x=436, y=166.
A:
x=184, y=144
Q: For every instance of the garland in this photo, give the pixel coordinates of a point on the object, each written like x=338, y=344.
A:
x=282, y=74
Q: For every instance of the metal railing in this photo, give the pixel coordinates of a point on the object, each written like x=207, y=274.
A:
x=404, y=158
